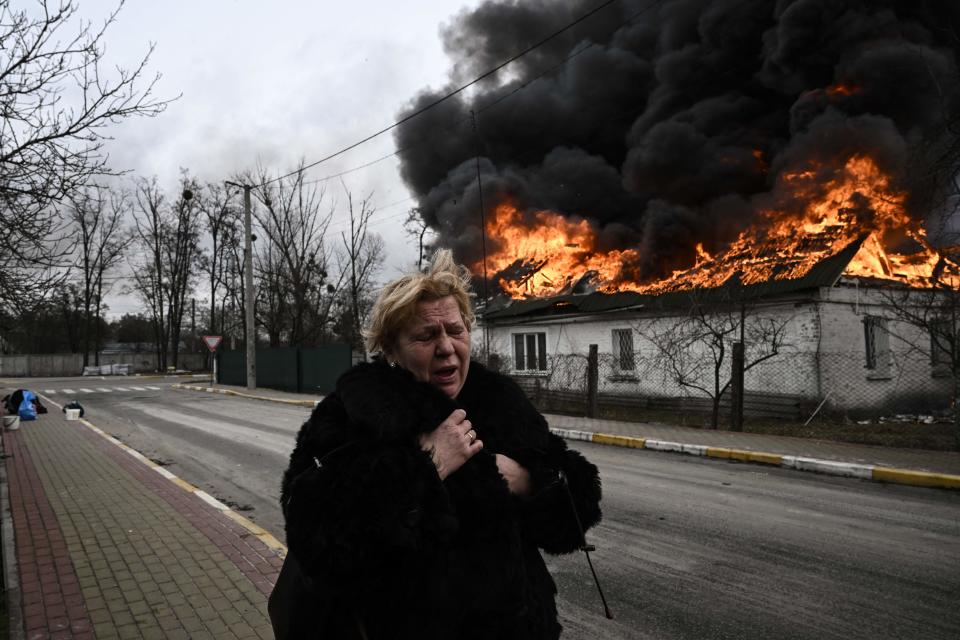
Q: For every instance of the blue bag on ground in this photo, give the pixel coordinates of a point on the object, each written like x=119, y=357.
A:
x=27, y=410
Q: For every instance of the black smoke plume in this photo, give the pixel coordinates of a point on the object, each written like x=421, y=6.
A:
x=665, y=122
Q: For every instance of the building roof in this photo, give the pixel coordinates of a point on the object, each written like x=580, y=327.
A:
x=825, y=273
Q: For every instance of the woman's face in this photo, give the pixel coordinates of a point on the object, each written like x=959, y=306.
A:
x=435, y=345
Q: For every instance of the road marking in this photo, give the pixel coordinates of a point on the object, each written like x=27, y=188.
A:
x=87, y=390
x=620, y=441
x=154, y=388
x=121, y=389
x=920, y=479
x=209, y=499
x=664, y=445
x=231, y=392
x=138, y=388
x=67, y=390
x=744, y=455
x=104, y=389
x=50, y=391
x=830, y=467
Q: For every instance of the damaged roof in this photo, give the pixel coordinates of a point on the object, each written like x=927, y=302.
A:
x=825, y=273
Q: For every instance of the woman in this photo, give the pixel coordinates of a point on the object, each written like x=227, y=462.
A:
x=421, y=490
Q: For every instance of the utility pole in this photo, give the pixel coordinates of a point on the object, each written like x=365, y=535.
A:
x=251, y=339
x=483, y=244
x=736, y=376
x=248, y=284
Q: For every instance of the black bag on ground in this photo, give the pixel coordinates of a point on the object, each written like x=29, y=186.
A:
x=11, y=403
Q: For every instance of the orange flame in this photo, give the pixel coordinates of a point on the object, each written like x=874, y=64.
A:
x=548, y=253
x=762, y=165
x=841, y=89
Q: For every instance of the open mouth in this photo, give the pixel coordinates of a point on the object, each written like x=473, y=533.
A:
x=445, y=375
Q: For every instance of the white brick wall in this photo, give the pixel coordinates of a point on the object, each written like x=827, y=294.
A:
x=823, y=353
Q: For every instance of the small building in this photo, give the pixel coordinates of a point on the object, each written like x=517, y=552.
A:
x=850, y=344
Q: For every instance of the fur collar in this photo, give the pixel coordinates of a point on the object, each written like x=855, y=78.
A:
x=387, y=402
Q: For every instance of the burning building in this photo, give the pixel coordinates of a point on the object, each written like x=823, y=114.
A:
x=667, y=159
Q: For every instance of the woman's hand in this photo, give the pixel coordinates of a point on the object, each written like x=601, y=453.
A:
x=518, y=478
x=452, y=443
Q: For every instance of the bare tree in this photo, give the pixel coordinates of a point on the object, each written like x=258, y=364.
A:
x=933, y=180
x=415, y=227
x=67, y=302
x=273, y=293
x=113, y=240
x=360, y=258
x=150, y=229
x=293, y=259
x=934, y=314
x=97, y=215
x=692, y=351
x=168, y=236
x=233, y=318
x=223, y=223
x=57, y=96
x=182, y=248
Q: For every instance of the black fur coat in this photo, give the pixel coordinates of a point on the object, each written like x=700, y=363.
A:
x=385, y=542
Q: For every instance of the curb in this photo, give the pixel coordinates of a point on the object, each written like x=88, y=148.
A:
x=256, y=530
x=11, y=568
x=154, y=376
x=239, y=394
x=798, y=463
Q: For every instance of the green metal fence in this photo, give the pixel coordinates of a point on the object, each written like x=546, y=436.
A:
x=231, y=367
x=321, y=366
x=300, y=370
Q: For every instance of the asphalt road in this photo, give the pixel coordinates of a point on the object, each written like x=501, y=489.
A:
x=688, y=548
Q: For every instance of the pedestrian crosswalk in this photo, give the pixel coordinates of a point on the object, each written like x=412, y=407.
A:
x=73, y=392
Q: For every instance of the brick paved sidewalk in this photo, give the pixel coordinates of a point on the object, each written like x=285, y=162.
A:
x=107, y=547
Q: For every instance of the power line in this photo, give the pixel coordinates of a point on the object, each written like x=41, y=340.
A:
x=342, y=224
x=464, y=119
x=451, y=127
x=348, y=171
x=446, y=97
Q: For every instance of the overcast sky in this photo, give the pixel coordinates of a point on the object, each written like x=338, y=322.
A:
x=273, y=82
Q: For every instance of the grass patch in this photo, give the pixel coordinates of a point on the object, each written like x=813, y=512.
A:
x=905, y=435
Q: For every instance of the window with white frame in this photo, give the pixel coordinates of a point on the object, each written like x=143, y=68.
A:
x=623, y=356
x=877, y=346
x=530, y=351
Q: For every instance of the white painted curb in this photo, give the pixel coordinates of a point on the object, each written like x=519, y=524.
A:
x=798, y=463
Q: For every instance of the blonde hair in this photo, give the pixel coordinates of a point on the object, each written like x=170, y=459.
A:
x=397, y=302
